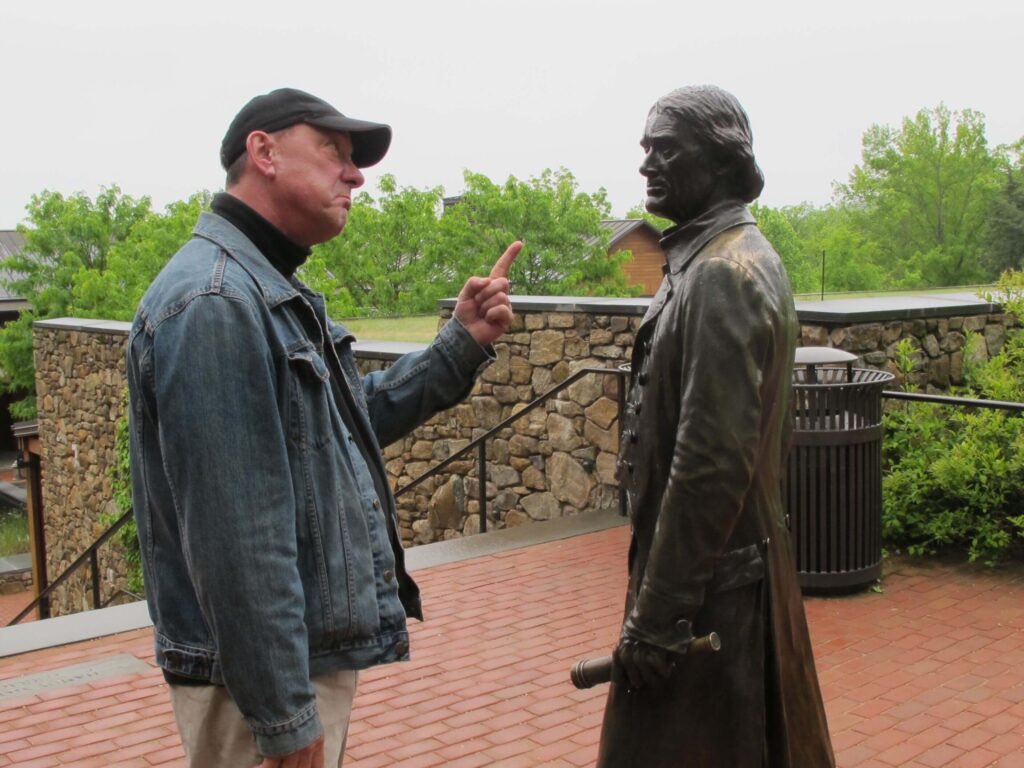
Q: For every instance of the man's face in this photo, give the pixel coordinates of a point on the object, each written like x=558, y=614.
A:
x=681, y=180
x=314, y=181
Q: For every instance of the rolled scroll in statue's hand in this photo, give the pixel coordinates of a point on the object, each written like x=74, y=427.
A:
x=586, y=673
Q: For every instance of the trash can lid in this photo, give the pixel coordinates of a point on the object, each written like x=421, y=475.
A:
x=823, y=356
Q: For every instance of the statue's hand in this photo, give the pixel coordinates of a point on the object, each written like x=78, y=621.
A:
x=638, y=663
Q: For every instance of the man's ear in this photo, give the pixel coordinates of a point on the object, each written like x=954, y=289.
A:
x=260, y=147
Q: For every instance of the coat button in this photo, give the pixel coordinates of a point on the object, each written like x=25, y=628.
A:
x=642, y=378
x=401, y=647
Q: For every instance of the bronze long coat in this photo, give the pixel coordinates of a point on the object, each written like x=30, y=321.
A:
x=703, y=447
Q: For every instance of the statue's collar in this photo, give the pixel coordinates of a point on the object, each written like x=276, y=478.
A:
x=681, y=243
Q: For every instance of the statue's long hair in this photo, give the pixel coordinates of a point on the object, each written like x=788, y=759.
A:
x=718, y=121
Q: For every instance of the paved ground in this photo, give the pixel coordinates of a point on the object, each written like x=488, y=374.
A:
x=928, y=672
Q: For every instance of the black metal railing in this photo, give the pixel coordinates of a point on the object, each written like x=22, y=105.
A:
x=961, y=402
x=90, y=557
x=480, y=443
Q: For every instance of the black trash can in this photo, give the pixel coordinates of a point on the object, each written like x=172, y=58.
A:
x=833, y=483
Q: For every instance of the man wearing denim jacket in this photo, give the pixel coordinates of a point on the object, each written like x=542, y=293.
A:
x=274, y=570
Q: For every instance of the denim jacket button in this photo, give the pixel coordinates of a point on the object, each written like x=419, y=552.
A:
x=376, y=503
x=401, y=647
x=389, y=575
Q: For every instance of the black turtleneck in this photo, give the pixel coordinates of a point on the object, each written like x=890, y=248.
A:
x=285, y=254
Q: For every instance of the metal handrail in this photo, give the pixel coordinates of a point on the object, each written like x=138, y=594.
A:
x=480, y=443
x=89, y=556
x=964, y=402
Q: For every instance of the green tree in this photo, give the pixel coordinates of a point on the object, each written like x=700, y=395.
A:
x=113, y=293
x=565, y=247
x=925, y=191
x=65, y=236
x=776, y=226
x=640, y=212
x=1005, y=236
x=379, y=265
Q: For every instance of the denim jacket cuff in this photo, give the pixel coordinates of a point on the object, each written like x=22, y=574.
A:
x=462, y=350
x=284, y=738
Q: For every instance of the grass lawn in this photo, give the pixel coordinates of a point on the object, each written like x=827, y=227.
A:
x=418, y=328
x=13, y=531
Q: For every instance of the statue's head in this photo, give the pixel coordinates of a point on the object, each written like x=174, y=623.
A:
x=698, y=152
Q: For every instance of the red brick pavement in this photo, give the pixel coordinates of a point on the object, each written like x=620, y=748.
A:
x=927, y=673
x=11, y=605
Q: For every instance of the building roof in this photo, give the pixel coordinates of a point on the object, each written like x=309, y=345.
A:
x=11, y=241
x=619, y=228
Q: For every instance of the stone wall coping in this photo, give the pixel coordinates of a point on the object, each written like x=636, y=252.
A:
x=871, y=309
x=881, y=308
x=385, y=350
x=877, y=308
x=119, y=327
x=590, y=304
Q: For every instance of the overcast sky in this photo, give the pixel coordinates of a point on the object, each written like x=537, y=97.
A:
x=139, y=94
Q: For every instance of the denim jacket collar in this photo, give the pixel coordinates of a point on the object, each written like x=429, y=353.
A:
x=274, y=286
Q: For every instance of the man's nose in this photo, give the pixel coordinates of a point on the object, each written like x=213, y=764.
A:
x=353, y=175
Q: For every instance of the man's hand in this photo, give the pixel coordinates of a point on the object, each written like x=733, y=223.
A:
x=311, y=756
x=641, y=664
x=483, y=306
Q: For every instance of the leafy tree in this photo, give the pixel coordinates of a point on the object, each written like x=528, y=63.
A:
x=925, y=190
x=777, y=227
x=834, y=234
x=640, y=212
x=1005, y=236
x=379, y=266
x=565, y=247
x=132, y=263
x=66, y=237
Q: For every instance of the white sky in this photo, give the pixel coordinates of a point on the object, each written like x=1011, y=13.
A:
x=139, y=93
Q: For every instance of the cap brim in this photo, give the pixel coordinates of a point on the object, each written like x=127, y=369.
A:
x=370, y=141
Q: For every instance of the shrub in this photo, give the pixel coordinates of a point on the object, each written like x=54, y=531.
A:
x=953, y=475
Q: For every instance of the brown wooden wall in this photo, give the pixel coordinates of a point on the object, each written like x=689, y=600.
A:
x=645, y=267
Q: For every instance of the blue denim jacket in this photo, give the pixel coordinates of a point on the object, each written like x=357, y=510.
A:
x=267, y=554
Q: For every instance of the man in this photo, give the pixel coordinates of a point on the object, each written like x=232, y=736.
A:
x=703, y=446
x=273, y=564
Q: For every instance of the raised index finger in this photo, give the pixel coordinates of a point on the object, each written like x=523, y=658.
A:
x=503, y=264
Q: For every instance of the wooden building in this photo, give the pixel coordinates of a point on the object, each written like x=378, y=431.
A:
x=642, y=240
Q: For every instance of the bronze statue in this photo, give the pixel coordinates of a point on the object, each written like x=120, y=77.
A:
x=704, y=442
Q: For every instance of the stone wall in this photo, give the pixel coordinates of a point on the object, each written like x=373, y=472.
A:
x=556, y=460
x=80, y=382
x=941, y=346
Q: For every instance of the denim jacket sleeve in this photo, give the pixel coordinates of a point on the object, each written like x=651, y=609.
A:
x=227, y=464
x=420, y=384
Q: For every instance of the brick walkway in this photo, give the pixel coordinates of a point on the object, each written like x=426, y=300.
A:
x=927, y=673
x=11, y=605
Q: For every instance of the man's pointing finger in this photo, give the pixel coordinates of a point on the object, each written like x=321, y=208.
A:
x=502, y=265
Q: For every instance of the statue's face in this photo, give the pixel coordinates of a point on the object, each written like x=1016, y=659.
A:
x=681, y=180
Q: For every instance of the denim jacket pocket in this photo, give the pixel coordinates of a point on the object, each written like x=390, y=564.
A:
x=309, y=400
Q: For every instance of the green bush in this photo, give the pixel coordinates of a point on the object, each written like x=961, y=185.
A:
x=953, y=476
x=121, y=483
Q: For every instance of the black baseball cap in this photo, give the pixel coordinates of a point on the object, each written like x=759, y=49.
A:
x=285, y=107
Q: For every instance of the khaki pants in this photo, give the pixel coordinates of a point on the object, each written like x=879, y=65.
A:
x=215, y=735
